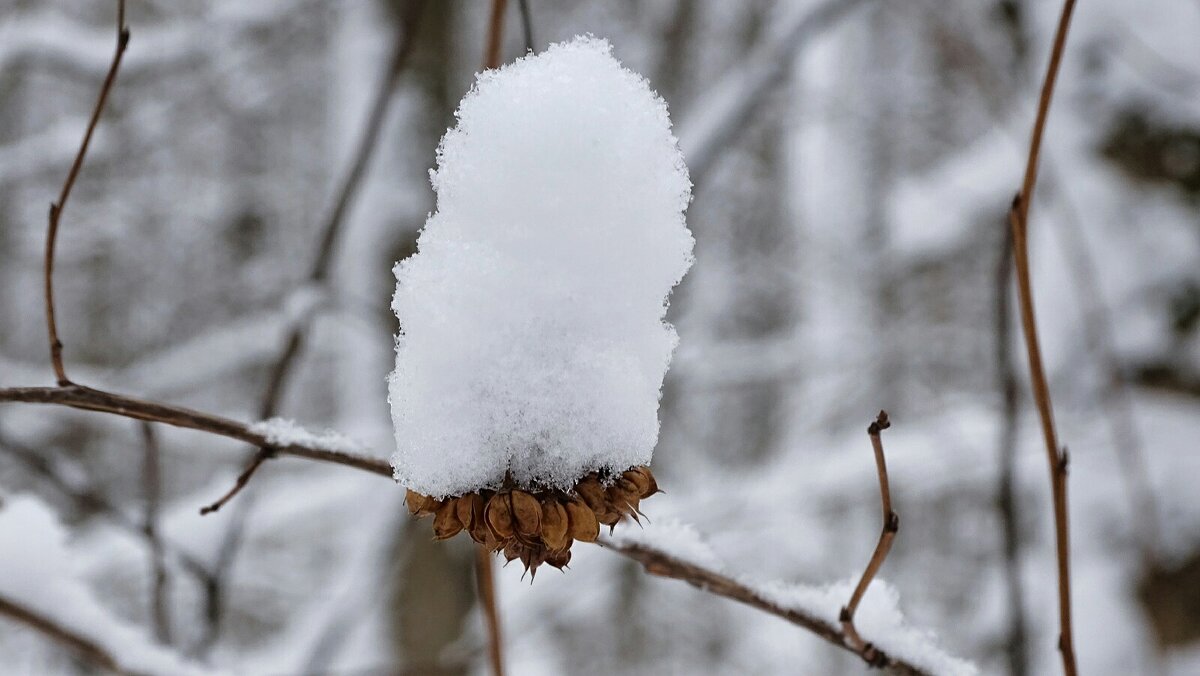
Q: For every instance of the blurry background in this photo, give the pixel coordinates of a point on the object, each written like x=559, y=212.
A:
x=852, y=179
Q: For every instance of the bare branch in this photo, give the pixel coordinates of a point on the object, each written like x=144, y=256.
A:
x=891, y=524
x=526, y=24
x=243, y=478
x=56, y=208
x=662, y=564
x=486, y=582
x=1019, y=221
x=89, y=399
x=81, y=646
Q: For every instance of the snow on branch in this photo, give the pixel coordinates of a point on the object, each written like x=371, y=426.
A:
x=674, y=550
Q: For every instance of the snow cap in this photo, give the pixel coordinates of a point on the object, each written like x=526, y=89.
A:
x=532, y=336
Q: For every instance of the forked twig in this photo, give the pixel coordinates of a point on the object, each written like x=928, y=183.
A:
x=1056, y=455
x=56, y=208
x=891, y=524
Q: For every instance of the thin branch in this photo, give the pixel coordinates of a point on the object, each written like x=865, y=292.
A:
x=152, y=489
x=526, y=24
x=662, y=564
x=81, y=646
x=243, y=478
x=891, y=524
x=90, y=399
x=56, y=208
x=495, y=35
x=486, y=580
x=1019, y=220
x=1016, y=642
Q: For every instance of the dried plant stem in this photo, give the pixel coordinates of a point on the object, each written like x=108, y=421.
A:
x=526, y=23
x=486, y=580
x=1056, y=455
x=152, y=490
x=891, y=525
x=495, y=35
x=662, y=564
x=56, y=208
x=81, y=646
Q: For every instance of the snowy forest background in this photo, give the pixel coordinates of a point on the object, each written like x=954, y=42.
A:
x=849, y=232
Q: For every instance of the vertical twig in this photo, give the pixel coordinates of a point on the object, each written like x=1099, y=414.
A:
x=152, y=488
x=891, y=524
x=1016, y=641
x=495, y=35
x=56, y=208
x=1056, y=455
x=485, y=579
x=526, y=24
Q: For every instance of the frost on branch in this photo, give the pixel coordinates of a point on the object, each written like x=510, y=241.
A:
x=533, y=343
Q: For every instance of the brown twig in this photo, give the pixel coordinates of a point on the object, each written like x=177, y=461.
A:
x=495, y=35
x=526, y=24
x=82, y=647
x=90, y=399
x=486, y=580
x=1019, y=221
x=152, y=488
x=240, y=483
x=891, y=524
x=661, y=564
x=56, y=208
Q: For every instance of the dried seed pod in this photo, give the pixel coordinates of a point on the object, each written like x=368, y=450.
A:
x=592, y=492
x=470, y=509
x=527, y=514
x=643, y=478
x=582, y=522
x=554, y=524
x=512, y=550
x=559, y=559
x=421, y=505
x=445, y=521
x=498, y=515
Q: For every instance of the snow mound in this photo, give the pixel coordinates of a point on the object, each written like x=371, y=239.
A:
x=532, y=337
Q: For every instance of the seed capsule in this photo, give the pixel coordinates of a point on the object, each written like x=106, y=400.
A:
x=445, y=522
x=421, y=505
x=559, y=559
x=554, y=524
x=582, y=522
x=527, y=514
x=470, y=509
x=499, y=517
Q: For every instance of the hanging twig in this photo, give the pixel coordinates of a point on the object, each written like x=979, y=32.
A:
x=526, y=24
x=56, y=208
x=891, y=524
x=486, y=581
x=1056, y=455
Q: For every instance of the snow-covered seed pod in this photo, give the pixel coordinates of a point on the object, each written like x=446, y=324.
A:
x=533, y=346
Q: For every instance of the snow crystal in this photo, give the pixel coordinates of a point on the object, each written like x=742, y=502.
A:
x=532, y=337
x=284, y=432
x=36, y=572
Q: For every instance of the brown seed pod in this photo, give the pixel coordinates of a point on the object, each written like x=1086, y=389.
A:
x=421, y=505
x=559, y=559
x=592, y=492
x=582, y=522
x=554, y=524
x=470, y=509
x=445, y=521
x=643, y=479
x=527, y=514
x=512, y=550
x=498, y=515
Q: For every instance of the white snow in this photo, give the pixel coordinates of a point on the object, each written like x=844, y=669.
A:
x=532, y=338
x=284, y=432
x=36, y=572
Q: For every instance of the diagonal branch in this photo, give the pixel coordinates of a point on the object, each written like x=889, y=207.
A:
x=56, y=208
x=661, y=564
x=81, y=646
x=1056, y=455
x=891, y=524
